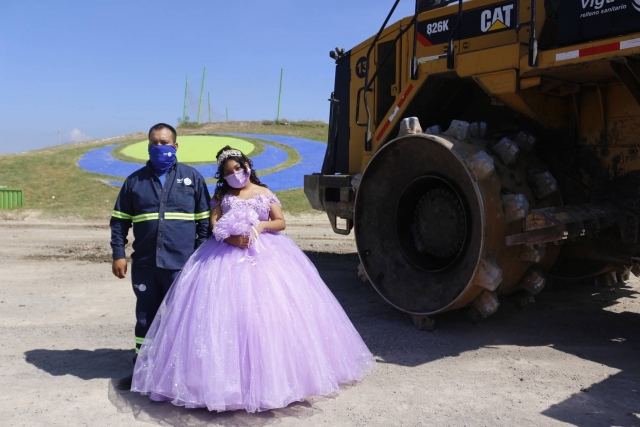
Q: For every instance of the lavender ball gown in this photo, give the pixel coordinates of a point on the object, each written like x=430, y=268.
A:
x=249, y=329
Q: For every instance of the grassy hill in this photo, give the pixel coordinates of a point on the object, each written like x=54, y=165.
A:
x=55, y=187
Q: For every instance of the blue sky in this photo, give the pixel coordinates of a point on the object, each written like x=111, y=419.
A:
x=96, y=69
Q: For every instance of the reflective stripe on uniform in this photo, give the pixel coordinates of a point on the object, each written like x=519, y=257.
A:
x=180, y=215
x=145, y=217
x=167, y=215
x=120, y=215
x=187, y=216
x=203, y=215
x=139, y=340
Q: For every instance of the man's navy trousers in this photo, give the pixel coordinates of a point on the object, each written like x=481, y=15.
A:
x=150, y=284
x=169, y=223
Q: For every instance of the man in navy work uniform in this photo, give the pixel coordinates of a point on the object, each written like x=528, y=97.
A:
x=168, y=205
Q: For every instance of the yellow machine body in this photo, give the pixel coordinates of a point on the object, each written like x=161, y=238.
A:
x=582, y=92
x=481, y=79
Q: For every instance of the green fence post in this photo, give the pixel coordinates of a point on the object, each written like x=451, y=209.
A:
x=280, y=95
x=186, y=90
x=201, y=93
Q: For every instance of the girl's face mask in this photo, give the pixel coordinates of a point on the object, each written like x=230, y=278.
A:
x=238, y=179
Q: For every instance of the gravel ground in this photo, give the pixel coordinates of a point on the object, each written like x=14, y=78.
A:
x=67, y=327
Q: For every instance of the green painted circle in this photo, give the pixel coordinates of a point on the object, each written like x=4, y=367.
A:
x=193, y=148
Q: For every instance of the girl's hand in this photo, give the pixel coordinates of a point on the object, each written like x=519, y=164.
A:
x=239, y=241
x=261, y=227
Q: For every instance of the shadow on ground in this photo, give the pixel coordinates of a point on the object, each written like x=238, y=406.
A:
x=567, y=318
x=114, y=364
x=84, y=364
x=166, y=414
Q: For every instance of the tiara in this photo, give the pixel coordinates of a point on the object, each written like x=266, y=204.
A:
x=228, y=153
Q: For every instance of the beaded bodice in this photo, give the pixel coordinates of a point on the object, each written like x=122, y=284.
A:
x=261, y=203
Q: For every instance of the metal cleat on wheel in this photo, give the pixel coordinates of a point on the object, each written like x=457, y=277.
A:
x=516, y=207
x=544, y=184
x=608, y=280
x=489, y=275
x=433, y=130
x=423, y=323
x=481, y=165
x=523, y=299
x=410, y=126
x=487, y=303
x=526, y=141
x=355, y=182
x=533, y=282
x=532, y=254
x=623, y=274
x=362, y=274
x=507, y=150
x=478, y=129
x=460, y=130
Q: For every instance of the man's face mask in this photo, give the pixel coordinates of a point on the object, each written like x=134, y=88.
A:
x=162, y=157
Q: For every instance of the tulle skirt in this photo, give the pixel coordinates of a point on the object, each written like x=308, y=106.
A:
x=249, y=330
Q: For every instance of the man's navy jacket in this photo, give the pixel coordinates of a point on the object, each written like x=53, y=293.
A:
x=168, y=223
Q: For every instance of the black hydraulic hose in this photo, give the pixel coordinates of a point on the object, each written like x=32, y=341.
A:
x=366, y=77
x=367, y=146
x=384, y=25
x=414, y=59
x=414, y=65
x=386, y=56
x=367, y=85
x=450, y=48
x=533, y=40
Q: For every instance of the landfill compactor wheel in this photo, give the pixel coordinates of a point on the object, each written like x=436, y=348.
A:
x=431, y=216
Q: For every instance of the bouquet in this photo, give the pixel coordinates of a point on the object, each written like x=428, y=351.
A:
x=240, y=221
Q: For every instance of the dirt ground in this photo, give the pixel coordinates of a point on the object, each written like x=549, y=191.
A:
x=66, y=325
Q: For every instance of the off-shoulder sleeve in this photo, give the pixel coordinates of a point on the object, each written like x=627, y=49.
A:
x=214, y=203
x=272, y=198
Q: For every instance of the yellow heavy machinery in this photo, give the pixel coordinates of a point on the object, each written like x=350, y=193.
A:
x=479, y=148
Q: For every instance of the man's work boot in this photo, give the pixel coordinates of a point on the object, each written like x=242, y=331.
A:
x=125, y=383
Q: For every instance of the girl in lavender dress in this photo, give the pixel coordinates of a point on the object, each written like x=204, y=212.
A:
x=249, y=324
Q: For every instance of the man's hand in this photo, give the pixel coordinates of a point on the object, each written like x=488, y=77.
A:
x=239, y=241
x=119, y=268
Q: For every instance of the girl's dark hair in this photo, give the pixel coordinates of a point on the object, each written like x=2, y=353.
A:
x=223, y=187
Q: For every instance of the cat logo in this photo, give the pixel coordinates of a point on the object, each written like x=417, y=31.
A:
x=498, y=19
